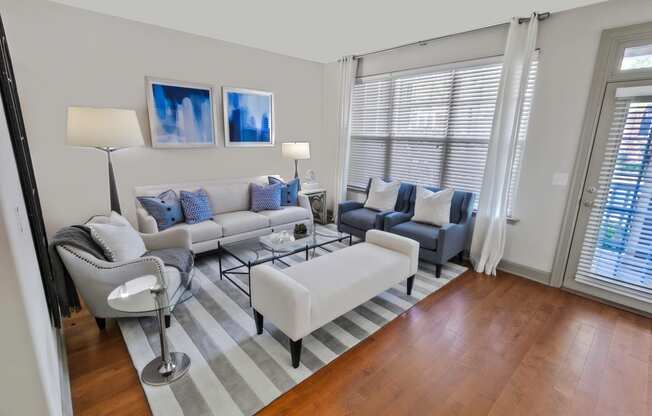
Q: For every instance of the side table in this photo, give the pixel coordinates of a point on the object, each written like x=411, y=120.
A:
x=147, y=294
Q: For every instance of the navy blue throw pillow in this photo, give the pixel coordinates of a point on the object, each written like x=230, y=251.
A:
x=165, y=208
x=289, y=190
x=196, y=206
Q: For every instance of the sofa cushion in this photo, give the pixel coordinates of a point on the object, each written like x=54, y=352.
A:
x=426, y=234
x=264, y=197
x=228, y=197
x=433, y=207
x=240, y=222
x=363, y=218
x=289, y=190
x=202, y=231
x=286, y=215
x=165, y=208
x=382, y=195
x=196, y=206
x=330, y=282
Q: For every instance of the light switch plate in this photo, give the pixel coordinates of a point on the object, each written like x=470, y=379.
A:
x=560, y=179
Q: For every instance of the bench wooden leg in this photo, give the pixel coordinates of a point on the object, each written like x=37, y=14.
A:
x=258, y=317
x=437, y=271
x=295, y=351
x=410, y=284
x=168, y=321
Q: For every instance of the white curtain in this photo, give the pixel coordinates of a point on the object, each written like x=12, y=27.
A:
x=347, y=72
x=488, y=242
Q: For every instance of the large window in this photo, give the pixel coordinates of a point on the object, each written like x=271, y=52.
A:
x=430, y=127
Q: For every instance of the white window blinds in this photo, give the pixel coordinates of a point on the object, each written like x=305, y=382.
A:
x=618, y=239
x=429, y=128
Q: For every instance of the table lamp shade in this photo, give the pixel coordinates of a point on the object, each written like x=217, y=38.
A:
x=296, y=150
x=103, y=127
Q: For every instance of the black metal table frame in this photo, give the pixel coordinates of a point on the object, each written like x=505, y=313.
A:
x=224, y=273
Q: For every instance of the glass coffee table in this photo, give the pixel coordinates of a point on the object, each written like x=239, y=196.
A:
x=145, y=295
x=263, y=249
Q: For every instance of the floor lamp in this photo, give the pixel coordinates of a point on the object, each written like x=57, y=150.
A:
x=105, y=129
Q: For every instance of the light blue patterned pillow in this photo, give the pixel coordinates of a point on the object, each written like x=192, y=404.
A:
x=196, y=206
x=165, y=208
x=264, y=197
x=289, y=190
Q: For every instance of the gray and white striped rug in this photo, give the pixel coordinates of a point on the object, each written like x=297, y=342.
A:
x=236, y=372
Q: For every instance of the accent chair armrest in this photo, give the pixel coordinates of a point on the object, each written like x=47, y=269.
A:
x=281, y=299
x=345, y=207
x=397, y=243
x=170, y=238
x=380, y=219
x=146, y=223
x=396, y=218
x=452, y=240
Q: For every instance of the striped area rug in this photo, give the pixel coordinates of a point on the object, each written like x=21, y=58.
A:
x=236, y=372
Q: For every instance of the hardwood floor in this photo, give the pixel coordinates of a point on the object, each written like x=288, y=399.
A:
x=479, y=346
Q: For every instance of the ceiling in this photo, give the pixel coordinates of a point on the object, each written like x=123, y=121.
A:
x=325, y=30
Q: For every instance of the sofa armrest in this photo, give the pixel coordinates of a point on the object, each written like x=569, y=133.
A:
x=451, y=240
x=398, y=243
x=304, y=202
x=380, y=219
x=396, y=218
x=281, y=299
x=146, y=223
x=171, y=238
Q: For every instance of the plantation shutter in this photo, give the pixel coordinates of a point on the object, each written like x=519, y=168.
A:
x=618, y=237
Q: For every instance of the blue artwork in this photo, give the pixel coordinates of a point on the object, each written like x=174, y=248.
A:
x=248, y=118
x=181, y=115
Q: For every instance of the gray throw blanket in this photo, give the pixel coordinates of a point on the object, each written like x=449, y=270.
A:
x=79, y=236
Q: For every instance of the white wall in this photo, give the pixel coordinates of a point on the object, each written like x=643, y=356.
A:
x=30, y=382
x=569, y=43
x=65, y=56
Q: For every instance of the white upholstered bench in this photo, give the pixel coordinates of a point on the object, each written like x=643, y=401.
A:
x=306, y=296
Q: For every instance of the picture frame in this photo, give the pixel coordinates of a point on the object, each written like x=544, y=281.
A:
x=181, y=113
x=248, y=117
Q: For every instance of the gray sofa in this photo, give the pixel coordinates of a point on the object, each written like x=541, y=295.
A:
x=437, y=244
x=232, y=219
x=355, y=219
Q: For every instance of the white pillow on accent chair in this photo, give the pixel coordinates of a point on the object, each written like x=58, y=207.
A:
x=118, y=239
x=433, y=207
x=382, y=195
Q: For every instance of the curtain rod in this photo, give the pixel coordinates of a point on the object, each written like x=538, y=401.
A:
x=540, y=17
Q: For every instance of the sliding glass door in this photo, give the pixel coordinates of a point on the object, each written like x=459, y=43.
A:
x=611, y=250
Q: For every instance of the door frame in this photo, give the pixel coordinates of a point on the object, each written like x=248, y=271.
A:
x=607, y=70
x=621, y=293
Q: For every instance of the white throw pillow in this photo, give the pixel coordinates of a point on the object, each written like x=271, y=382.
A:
x=433, y=207
x=382, y=195
x=118, y=239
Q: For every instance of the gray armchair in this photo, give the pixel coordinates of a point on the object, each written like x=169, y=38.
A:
x=355, y=219
x=437, y=244
x=95, y=278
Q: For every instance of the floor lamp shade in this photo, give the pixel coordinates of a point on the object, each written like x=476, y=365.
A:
x=106, y=129
x=297, y=151
x=103, y=127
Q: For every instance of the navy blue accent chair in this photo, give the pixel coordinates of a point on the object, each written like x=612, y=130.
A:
x=355, y=219
x=437, y=244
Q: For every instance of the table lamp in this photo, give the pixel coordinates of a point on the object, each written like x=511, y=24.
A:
x=105, y=129
x=297, y=151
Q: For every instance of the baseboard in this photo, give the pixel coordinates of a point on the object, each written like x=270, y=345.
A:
x=527, y=272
